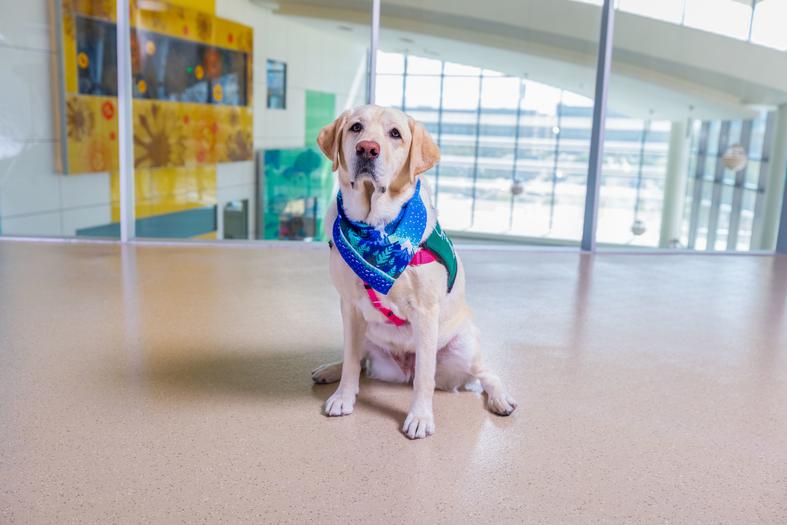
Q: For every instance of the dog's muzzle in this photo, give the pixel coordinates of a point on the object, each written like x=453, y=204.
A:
x=366, y=154
x=365, y=167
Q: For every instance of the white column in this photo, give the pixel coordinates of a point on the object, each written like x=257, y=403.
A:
x=675, y=185
x=775, y=186
x=373, y=45
x=125, y=124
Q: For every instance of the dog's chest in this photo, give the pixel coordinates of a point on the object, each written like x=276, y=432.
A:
x=379, y=330
x=351, y=288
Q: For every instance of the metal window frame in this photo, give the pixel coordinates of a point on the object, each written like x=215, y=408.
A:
x=593, y=186
x=781, y=239
x=555, y=159
x=518, y=124
x=477, y=145
x=439, y=132
x=404, y=85
x=643, y=142
x=738, y=189
x=762, y=181
x=718, y=185
x=699, y=184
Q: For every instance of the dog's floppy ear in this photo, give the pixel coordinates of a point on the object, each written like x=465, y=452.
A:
x=330, y=140
x=424, y=153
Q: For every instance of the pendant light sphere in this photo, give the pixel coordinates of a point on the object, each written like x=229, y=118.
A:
x=517, y=188
x=639, y=227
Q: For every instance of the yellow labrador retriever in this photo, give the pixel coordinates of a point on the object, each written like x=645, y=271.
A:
x=379, y=154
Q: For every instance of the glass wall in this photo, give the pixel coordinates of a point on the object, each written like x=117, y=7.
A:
x=514, y=151
x=228, y=98
x=228, y=102
x=728, y=175
x=513, y=133
x=635, y=157
x=708, y=172
x=58, y=135
x=755, y=21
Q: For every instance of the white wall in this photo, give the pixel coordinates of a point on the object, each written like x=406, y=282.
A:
x=34, y=200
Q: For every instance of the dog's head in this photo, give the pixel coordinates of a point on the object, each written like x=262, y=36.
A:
x=380, y=147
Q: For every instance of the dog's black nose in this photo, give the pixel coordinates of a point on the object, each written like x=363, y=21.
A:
x=367, y=149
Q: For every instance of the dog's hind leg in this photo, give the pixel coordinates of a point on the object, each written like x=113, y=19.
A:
x=327, y=373
x=332, y=372
x=498, y=399
x=382, y=365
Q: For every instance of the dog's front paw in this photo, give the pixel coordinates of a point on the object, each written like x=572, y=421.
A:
x=418, y=425
x=501, y=404
x=341, y=403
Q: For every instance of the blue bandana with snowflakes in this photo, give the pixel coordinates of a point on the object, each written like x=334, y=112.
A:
x=379, y=256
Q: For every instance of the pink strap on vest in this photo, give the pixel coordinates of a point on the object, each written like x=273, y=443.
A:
x=422, y=256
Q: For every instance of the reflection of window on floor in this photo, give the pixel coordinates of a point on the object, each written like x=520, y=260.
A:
x=277, y=84
x=515, y=159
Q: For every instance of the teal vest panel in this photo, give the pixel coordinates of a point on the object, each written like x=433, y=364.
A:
x=440, y=245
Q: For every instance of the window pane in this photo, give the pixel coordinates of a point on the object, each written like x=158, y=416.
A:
x=234, y=155
x=686, y=151
x=389, y=90
x=768, y=26
x=390, y=63
x=461, y=92
x=422, y=92
x=725, y=17
x=422, y=66
x=452, y=68
x=513, y=133
x=500, y=92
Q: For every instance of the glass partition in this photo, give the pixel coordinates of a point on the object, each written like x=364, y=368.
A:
x=228, y=98
x=695, y=136
x=251, y=87
x=506, y=91
x=58, y=126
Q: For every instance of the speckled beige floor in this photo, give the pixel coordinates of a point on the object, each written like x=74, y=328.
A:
x=171, y=384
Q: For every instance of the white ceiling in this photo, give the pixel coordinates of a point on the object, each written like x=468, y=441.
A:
x=659, y=69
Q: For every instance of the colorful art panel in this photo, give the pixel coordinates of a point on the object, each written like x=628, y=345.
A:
x=298, y=188
x=299, y=183
x=192, y=86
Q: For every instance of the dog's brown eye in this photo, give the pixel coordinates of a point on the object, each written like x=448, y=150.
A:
x=356, y=127
x=395, y=133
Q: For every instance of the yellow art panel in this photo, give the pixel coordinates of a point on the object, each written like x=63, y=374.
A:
x=166, y=134
x=69, y=54
x=195, y=25
x=102, y=9
x=206, y=6
x=167, y=190
x=91, y=124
